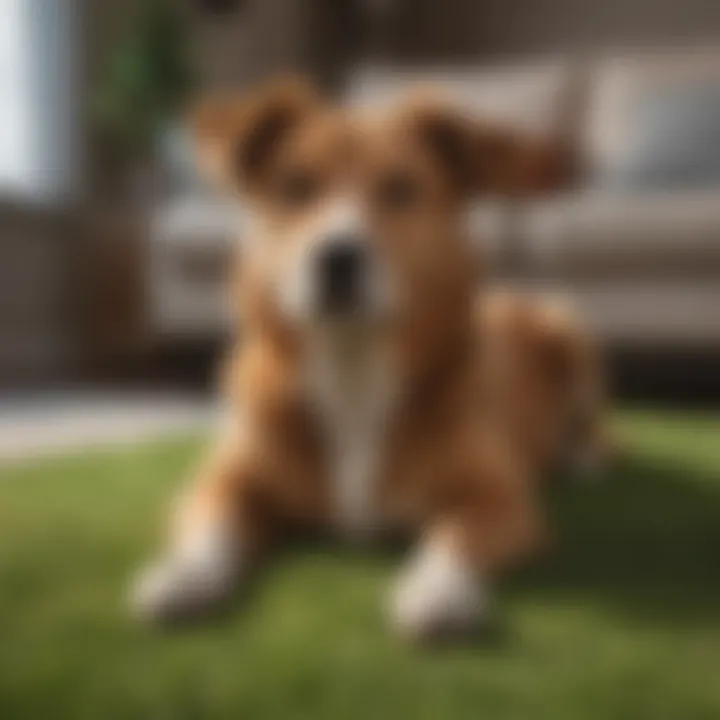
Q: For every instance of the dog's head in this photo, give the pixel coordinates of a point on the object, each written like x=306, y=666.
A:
x=357, y=220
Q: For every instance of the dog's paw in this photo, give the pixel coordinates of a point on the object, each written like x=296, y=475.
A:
x=174, y=589
x=437, y=594
x=197, y=577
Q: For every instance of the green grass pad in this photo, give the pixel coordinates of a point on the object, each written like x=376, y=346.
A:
x=620, y=620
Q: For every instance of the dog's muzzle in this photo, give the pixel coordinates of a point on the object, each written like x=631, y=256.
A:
x=341, y=275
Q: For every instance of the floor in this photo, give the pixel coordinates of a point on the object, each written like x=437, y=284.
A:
x=65, y=422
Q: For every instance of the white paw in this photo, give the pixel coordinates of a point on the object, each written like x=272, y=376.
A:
x=170, y=590
x=437, y=592
x=185, y=583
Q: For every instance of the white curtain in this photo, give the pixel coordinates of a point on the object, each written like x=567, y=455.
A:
x=39, y=100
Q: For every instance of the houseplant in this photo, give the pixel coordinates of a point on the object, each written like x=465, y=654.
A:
x=145, y=85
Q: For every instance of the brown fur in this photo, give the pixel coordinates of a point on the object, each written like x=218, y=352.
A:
x=453, y=470
x=549, y=379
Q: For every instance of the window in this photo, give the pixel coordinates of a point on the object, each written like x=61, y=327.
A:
x=38, y=99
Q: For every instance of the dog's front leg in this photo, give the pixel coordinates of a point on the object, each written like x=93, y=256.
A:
x=216, y=534
x=444, y=586
x=439, y=589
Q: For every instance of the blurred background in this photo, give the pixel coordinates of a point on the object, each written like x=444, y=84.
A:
x=114, y=255
x=114, y=261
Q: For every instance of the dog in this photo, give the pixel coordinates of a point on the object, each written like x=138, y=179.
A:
x=549, y=372
x=363, y=398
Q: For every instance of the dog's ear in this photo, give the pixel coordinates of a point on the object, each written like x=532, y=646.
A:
x=510, y=163
x=483, y=158
x=235, y=137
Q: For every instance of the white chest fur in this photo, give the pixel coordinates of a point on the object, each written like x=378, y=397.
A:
x=352, y=386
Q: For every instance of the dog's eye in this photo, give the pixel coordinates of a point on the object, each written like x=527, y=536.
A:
x=298, y=188
x=398, y=191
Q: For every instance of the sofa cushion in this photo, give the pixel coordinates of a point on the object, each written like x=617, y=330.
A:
x=675, y=140
x=654, y=121
x=190, y=258
x=664, y=234
x=633, y=315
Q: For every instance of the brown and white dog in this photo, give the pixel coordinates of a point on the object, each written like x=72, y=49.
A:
x=364, y=397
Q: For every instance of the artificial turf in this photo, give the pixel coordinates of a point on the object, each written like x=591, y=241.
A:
x=621, y=620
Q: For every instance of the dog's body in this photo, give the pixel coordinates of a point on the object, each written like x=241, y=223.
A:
x=364, y=396
x=551, y=381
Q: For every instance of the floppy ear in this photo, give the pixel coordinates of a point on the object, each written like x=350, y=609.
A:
x=511, y=164
x=235, y=137
x=484, y=158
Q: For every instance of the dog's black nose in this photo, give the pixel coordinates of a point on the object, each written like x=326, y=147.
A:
x=341, y=274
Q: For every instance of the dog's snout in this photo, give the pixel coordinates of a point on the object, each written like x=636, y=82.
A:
x=342, y=259
x=341, y=274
